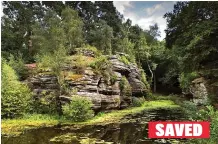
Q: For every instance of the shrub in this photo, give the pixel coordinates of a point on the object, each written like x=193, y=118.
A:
x=93, y=49
x=190, y=110
x=18, y=65
x=144, y=79
x=124, y=60
x=208, y=114
x=102, y=66
x=185, y=80
x=113, y=78
x=80, y=62
x=137, y=102
x=79, y=109
x=15, y=95
x=125, y=87
x=44, y=104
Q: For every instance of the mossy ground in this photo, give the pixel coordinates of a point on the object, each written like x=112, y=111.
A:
x=17, y=126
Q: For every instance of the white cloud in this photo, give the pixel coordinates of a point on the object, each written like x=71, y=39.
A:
x=151, y=15
x=122, y=5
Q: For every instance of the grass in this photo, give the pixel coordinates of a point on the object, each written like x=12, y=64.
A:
x=12, y=127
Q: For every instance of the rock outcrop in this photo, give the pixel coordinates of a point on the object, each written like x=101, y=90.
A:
x=204, y=90
x=104, y=92
x=199, y=91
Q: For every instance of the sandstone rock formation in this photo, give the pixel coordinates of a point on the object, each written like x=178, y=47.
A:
x=102, y=91
x=203, y=90
x=199, y=91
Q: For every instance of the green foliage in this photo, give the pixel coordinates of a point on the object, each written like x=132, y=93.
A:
x=49, y=37
x=79, y=109
x=137, y=102
x=102, y=66
x=54, y=60
x=190, y=110
x=18, y=65
x=124, y=60
x=65, y=31
x=100, y=114
x=93, y=49
x=73, y=27
x=192, y=31
x=113, y=78
x=207, y=114
x=144, y=79
x=101, y=36
x=44, y=104
x=80, y=62
x=66, y=138
x=17, y=27
x=125, y=88
x=15, y=95
x=185, y=80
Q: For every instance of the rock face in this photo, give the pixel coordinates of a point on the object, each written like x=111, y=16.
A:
x=199, y=91
x=203, y=90
x=103, y=92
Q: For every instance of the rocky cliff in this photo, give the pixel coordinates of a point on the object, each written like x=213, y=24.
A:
x=109, y=84
x=205, y=88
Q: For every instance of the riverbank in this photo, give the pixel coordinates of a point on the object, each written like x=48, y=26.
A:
x=13, y=127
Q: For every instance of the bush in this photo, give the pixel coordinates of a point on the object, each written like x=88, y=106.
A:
x=93, y=49
x=137, y=102
x=125, y=87
x=124, y=60
x=190, y=110
x=113, y=78
x=208, y=114
x=79, y=109
x=15, y=95
x=80, y=62
x=18, y=65
x=102, y=66
x=185, y=80
x=44, y=104
x=144, y=79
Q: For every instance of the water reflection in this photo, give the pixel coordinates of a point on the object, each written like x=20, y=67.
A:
x=131, y=130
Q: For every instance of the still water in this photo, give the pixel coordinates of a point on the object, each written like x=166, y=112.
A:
x=131, y=130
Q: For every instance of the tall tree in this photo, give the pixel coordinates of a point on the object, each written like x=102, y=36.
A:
x=192, y=29
x=17, y=26
x=101, y=36
x=73, y=27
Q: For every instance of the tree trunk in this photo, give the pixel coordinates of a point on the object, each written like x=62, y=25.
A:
x=155, y=86
x=152, y=75
x=58, y=101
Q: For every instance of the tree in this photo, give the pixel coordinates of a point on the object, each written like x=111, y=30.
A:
x=15, y=95
x=50, y=39
x=49, y=35
x=73, y=27
x=101, y=36
x=192, y=32
x=55, y=61
x=152, y=34
x=17, y=27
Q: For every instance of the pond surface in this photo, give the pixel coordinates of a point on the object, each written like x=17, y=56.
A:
x=132, y=130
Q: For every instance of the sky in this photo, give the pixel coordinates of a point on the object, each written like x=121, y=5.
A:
x=146, y=13
x=143, y=13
